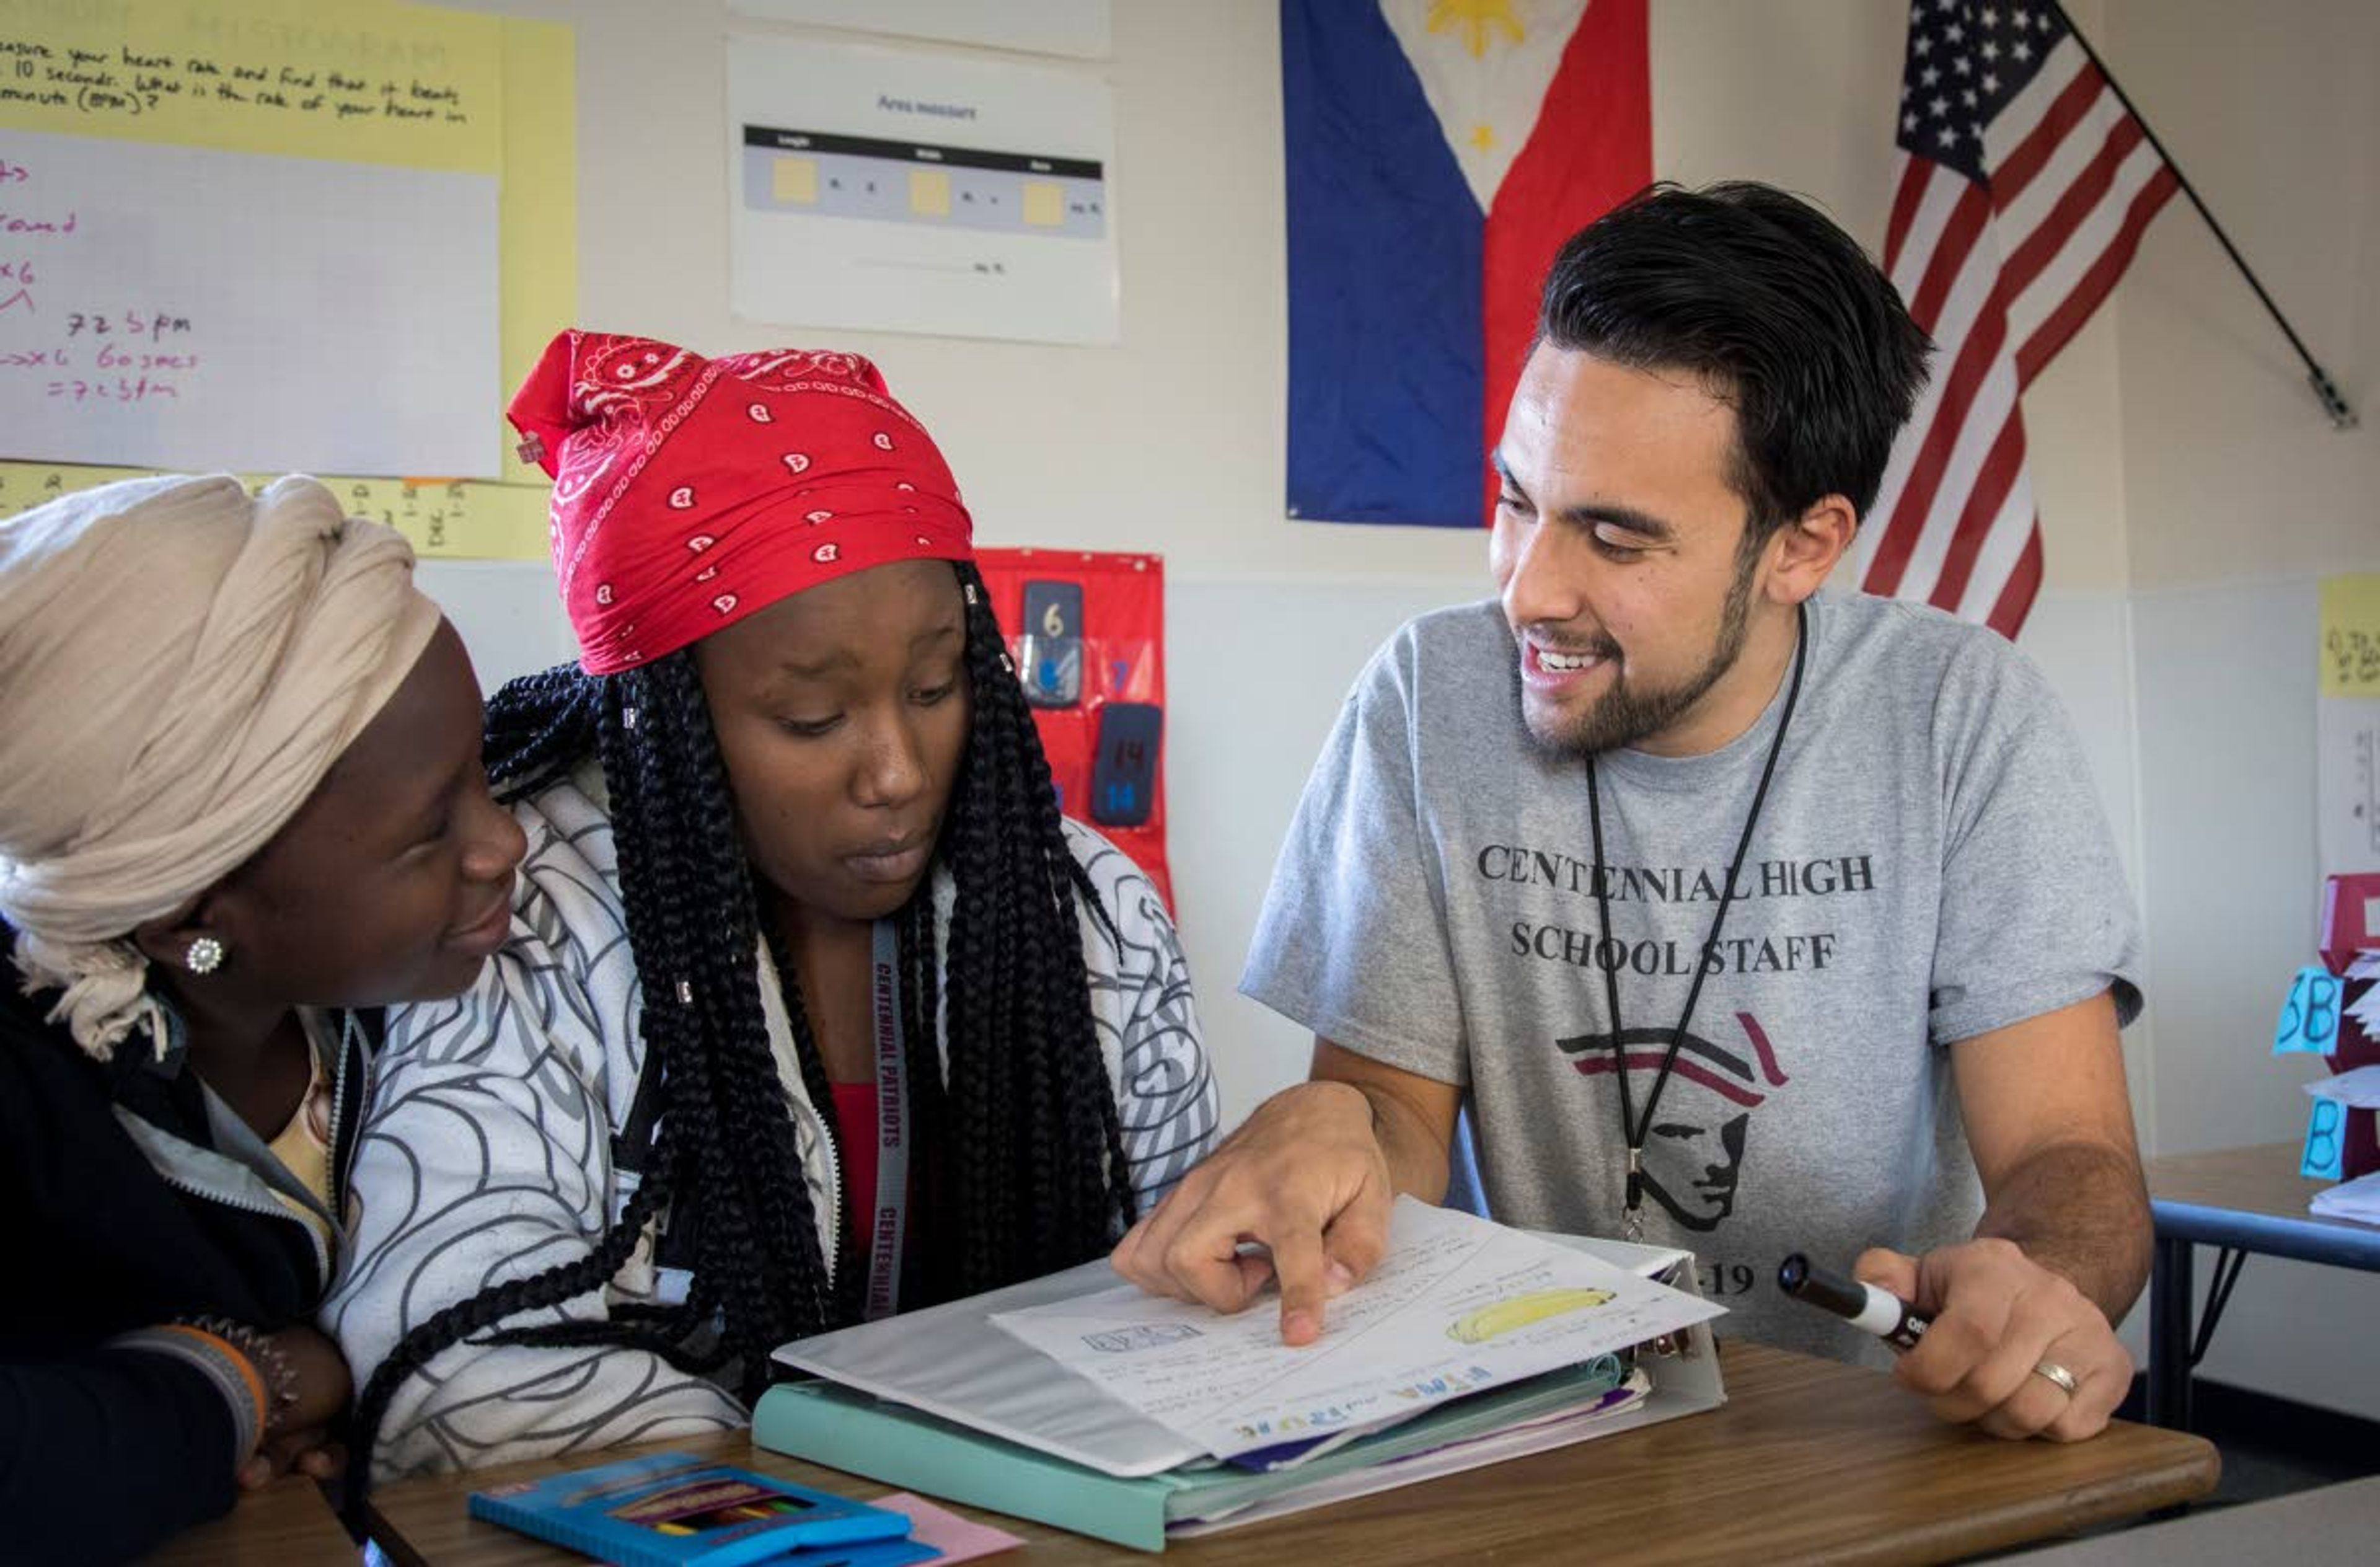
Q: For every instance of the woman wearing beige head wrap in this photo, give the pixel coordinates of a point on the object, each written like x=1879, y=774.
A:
x=240, y=797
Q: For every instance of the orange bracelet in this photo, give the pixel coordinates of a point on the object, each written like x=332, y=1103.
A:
x=248, y=1371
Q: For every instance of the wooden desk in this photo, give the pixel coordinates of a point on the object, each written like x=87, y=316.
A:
x=1807, y=1460
x=2327, y=1524
x=2241, y=1200
x=286, y=1525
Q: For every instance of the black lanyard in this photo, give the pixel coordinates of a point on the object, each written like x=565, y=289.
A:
x=1633, y=1130
x=891, y=1130
x=885, y=1215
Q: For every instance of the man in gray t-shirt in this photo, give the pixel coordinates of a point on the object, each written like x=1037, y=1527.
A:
x=1749, y=919
x=1930, y=865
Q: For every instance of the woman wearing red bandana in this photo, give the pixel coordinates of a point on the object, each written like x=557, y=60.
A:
x=815, y=1008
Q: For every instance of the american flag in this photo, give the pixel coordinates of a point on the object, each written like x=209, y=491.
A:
x=2023, y=188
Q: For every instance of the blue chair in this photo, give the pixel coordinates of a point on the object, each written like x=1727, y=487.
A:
x=1463, y=1189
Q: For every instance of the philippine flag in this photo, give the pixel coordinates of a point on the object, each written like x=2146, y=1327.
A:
x=1438, y=153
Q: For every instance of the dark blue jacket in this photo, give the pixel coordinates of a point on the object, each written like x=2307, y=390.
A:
x=122, y=1218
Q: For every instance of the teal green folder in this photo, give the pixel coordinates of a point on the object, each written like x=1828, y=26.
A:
x=861, y=1435
x=907, y=1448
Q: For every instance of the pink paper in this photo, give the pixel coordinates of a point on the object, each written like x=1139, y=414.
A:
x=959, y=1539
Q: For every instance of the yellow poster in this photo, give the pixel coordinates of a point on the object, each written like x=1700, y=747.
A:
x=363, y=83
x=442, y=518
x=2351, y=635
x=375, y=83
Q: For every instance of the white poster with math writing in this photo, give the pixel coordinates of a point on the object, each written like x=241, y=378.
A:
x=905, y=191
x=263, y=235
x=179, y=307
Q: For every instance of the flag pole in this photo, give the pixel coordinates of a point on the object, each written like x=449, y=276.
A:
x=2333, y=403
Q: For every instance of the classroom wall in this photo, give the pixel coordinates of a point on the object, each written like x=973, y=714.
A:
x=2163, y=430
x=1173, y=441
x=2241, y=498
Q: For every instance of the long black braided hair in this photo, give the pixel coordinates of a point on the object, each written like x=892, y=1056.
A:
x=1023, y=1168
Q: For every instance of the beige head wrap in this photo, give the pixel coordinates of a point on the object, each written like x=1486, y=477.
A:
x=179, y=667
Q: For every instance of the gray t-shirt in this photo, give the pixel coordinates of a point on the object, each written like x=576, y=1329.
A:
x=1932, y=863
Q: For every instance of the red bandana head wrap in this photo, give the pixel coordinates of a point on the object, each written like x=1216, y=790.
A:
x=689, y=492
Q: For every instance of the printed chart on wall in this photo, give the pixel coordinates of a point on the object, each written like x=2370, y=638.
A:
x=1045, y=26
x=2347, y=726
x=318, y=235
x=899, y=189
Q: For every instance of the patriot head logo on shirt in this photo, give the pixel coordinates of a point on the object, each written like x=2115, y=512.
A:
x=1694, y=1150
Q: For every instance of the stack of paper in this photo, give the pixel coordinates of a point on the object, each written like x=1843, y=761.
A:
x=2359, y=1089
x=1086, y=1405
x=2358, y=1200
x=1458, y=1306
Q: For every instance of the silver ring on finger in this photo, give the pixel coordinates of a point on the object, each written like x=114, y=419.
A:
x=2049, y=1370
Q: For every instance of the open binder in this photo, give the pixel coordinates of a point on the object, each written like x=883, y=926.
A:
x=942, y=1402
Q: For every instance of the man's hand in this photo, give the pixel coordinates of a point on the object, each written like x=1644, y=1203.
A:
x=2002, y=1323
x=300, y=1438
x=1304, y=1176
x=2063, y=1246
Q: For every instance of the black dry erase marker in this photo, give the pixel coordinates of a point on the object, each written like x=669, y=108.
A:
x=1869, y=1308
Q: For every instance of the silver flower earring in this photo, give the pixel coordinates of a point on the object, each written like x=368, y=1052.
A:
x=206, y=955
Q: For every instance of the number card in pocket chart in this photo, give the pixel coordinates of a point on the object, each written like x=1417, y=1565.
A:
x=1088, y=630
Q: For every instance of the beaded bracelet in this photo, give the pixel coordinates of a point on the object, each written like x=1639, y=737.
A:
x=279, y=1378
x=232, y=1374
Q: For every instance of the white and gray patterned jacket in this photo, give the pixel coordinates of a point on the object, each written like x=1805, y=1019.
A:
x=487, y=1155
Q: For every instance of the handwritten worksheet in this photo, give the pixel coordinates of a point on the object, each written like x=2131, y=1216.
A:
x=1457, y=1305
